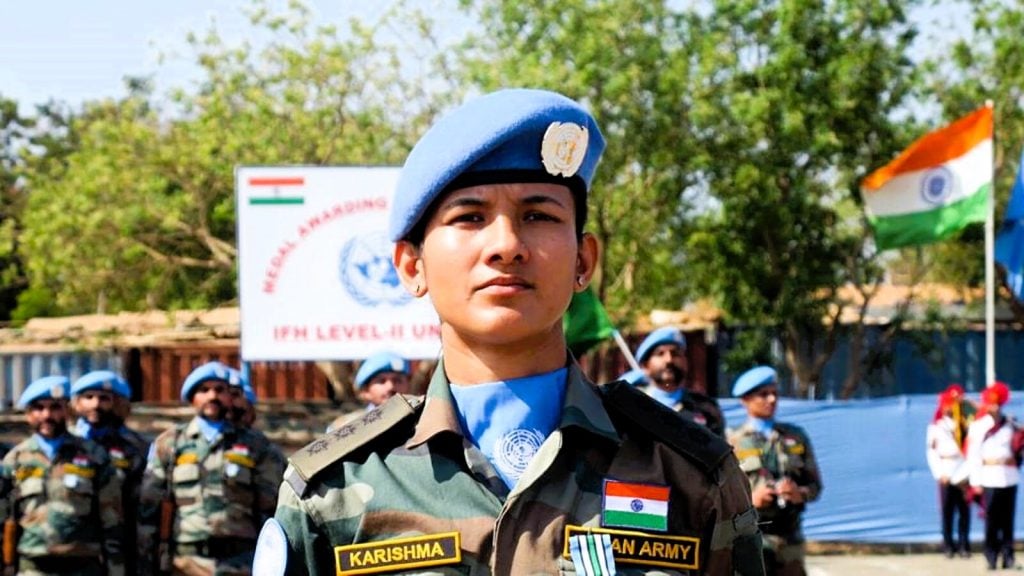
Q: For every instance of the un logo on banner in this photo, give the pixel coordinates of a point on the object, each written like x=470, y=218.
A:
x=367, y=273
x=937, y=185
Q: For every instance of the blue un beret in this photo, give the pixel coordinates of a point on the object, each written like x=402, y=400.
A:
x=666, y=335
x=102, y=380
x=753, y=379
x=380, y=362
x=238, y=379
x=634, y=377
x=55, y=387
x=209, y=371
x=516, y=135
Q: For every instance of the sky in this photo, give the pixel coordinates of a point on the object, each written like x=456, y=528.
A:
x=85, y=52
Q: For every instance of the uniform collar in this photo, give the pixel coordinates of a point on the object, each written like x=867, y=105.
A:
x=195, y=430
x=582, y=408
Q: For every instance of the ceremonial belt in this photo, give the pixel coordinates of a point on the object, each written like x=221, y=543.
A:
x=216, y=547
x=999, y=462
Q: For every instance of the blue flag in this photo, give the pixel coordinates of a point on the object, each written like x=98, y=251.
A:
x=1010, y=242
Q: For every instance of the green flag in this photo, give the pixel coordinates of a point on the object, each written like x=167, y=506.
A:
x=586, y=323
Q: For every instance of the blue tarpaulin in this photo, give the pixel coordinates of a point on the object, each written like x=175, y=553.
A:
x=872, y=457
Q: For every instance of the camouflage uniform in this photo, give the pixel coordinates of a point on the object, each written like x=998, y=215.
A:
x=222, y=493
x=699, y=408
x=68, y=510
x=402, y=489
x=786, y=452
x=127, y=451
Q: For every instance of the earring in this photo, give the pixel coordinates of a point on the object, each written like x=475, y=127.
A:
x=579, y=280
x=416, y=290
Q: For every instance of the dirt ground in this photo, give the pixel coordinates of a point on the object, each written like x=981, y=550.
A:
x=921, y=564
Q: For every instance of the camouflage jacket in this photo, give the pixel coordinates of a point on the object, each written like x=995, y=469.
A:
x=223, y=489
x=127, y=451
x=700, y=408
x=786, y=452
x=68, y=506
x=402, y=489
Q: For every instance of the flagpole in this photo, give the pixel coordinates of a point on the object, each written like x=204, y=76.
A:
x=990, y=273
x=624, y=348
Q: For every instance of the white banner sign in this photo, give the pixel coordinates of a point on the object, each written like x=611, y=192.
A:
x=314, y=267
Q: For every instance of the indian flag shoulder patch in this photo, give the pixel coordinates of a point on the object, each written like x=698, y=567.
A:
x=635, y=505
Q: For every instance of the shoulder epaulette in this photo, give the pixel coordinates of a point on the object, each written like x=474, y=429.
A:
x=310, y=460
x=691, y=440
x=787, y=428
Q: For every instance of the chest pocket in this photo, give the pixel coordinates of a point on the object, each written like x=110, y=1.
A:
x=751, y=463
x=30, y=491
x=186, y=481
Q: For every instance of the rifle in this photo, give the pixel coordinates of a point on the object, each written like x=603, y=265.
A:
x=11, y=530
x=164, y=553
x=10, y=545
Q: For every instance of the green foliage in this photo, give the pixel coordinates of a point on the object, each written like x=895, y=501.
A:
x=141, y=214
x=987, y=65
x=796, y=98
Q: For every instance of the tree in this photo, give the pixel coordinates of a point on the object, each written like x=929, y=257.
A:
x=986, y=65
x=142, y=213
x=795, y=102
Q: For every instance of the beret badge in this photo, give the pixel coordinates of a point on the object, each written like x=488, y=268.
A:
x=563, y=148
x=56, y=391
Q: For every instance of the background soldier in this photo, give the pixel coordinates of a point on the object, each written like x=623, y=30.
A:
x=662, y=355
x=382, y=375
x=515, y=458
x=780, y=464
x=62, y=499
x=94, y=397
x=243, y=416
x=207, y=488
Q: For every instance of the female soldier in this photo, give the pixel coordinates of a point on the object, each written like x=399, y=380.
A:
x=514, y=463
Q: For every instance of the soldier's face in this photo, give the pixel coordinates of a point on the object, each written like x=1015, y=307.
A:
x=384, y=386
x=761, y=402
x=241, y=411
x=212, y=399
x=48, y=417
x=500, y=263
x=666, y=366
x=96, y=406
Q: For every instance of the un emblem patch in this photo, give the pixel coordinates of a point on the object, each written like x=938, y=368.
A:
x=367, y=273
x=937, y=185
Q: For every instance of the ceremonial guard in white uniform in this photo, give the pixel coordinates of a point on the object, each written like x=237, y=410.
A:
x=993, y=456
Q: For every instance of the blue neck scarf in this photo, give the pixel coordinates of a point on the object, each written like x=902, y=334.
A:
x=210, y=429
x=86, y=430
x=509, y=420
x=669, y=399
x=762, y=426
x=49, y=446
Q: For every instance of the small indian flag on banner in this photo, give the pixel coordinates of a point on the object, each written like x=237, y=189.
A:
x=629, y=505
x=934, y=188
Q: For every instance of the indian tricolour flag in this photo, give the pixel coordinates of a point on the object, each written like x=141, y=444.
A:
x=632, y=505
x=936, y=187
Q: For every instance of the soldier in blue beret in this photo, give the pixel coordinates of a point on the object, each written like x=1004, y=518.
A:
x=662, y=355
x=780, y=464
x=380, y=376
x=514, y=463
x=94, y=398
x=61, y=492
x=210, y=481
